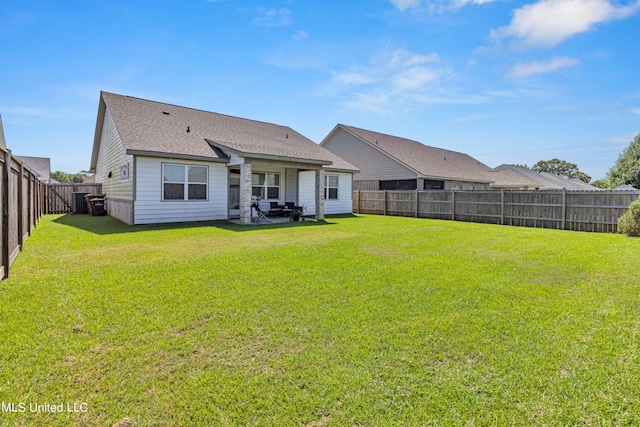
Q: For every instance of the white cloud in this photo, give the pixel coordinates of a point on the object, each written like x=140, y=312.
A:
x=524, y=69
x=301, y=35
x=403, y=5
x=373, y=102
x=549, y=22
x=274, y=18
x=621, y=140
x=402, y=58
x=458, y=4
x=353, y=78
x=414, y=78
x=398, y=79
x=434, y=5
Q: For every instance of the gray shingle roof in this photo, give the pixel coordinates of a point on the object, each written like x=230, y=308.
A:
x=426, y=160
x=507, y=178
x=153, y=127
x=544, y=180
x=41, y=166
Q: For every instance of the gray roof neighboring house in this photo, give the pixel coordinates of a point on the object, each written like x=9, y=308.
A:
x=41, y=166
x=427, y=162
x=625, y=187
x=510, y=179
x=507, y=175
x=164, y=130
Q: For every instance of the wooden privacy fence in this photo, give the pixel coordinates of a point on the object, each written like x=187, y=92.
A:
x=560, y=209
x=22, y=201
x=60, y=196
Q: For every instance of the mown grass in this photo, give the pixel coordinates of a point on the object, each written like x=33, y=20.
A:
x=367, y=320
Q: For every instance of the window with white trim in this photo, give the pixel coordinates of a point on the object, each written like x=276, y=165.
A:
x=331, y=187
x=265, y=185
x=184, y=182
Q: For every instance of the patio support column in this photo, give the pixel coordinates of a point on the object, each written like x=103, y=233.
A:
x=320, y=194
x=245, y=193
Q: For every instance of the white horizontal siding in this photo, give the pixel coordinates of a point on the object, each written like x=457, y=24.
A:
x=373, y=164
x=307, y=191
x=150, y=208
x=344, y=203
x=112, y=157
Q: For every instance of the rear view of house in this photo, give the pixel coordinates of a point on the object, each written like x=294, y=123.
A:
x=165, y=163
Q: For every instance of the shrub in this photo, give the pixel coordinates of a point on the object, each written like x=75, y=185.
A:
x=629, y=223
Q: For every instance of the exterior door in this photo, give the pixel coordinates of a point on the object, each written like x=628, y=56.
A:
x=234, y=193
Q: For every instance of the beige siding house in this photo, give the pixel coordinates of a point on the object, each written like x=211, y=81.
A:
x=165, y=163
x=392, y=163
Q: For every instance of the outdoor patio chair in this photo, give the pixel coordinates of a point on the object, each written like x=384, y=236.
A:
x=292, y=205
x=263, y=209
x=276, y=209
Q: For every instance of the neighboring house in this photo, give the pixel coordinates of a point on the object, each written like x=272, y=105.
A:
x=40, y=166
x=518, y=177
x=625, y=187
x=392, y=163
x=165, y=163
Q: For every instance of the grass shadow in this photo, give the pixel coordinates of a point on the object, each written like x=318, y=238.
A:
x=104, y=225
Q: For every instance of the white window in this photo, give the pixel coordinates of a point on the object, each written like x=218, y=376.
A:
x=184, y=182
x=331, y=187
x=265, y=185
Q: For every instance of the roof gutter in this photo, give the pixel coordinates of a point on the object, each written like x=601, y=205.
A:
x=269, y=156
x=175, y=156
x=451, y=178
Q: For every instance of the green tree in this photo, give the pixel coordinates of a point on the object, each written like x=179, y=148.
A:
x=626, y=170
x=601, y=183
x=562, y=168
x=60, y=177
x=629, y=223
x=65, y=178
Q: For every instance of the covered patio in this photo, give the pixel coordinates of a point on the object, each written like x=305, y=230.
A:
x=275, y=179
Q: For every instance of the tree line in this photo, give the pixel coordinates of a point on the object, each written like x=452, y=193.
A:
x=73, y=178
x=626, y=169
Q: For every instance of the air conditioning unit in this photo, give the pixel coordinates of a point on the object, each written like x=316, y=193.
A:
x=78, y=203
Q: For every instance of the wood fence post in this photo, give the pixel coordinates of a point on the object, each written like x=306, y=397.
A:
x=43, y=201
x=6, y=251
x=453, y=204
x=21, y=203
x=30, y=205
x=417, y=199
x=385, y=203
x=502, y=206
x=564, y=208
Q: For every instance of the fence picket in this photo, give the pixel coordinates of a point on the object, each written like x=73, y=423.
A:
x=21, y=198
x=596, y=211
x=60, y=196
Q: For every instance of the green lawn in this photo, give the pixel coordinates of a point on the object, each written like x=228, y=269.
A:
x=359, y=321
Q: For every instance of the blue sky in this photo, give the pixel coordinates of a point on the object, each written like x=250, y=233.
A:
x=504, y=81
